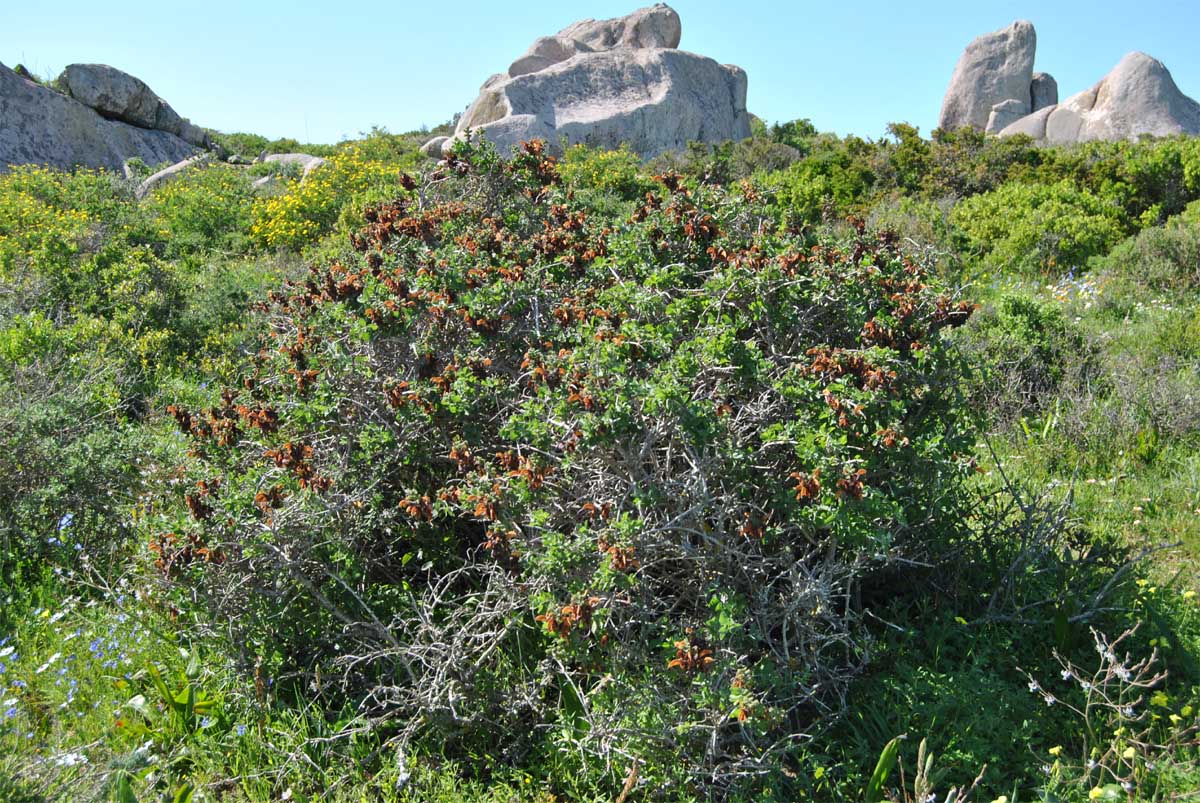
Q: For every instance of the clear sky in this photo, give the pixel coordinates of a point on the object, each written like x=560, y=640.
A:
x=322, y=71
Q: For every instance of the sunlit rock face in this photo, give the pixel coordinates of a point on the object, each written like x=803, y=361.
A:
x=611, y=82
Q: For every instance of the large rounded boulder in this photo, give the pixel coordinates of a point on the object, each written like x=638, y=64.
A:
x=610, y=83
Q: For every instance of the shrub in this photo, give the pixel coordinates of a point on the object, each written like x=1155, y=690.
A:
x=1161, y=258
x=1037, y=228
x=532, y=481
x=310, y=208
x=1025, y=350
x=207, y=210
x=617, y=172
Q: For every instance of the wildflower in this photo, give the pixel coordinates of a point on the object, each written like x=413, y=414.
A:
x=1159, y=699
x=1034, y=687
x=1129, y=754
x=1186, y=711
x=49, y=662
x=66, y=521
x=1056, y=750
x=1066, y=674
x=205, y=722
x=1128, y=711
x=1175, y=719
x=1050, y=699
x=70, y=759
x=1189, y=594
x=241, y=730
x=1095, y=793
x=6, y=651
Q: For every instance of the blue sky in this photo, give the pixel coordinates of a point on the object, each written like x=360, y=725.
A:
x=320, y=71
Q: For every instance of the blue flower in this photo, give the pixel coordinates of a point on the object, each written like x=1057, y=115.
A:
x=66, y=521
x=11, y=712
x=205, y=722
x=241, y=730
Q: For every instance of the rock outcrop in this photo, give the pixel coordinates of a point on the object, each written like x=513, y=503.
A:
x=1043, y=91
x=995, y=68
x=170, y=173
x=120, y=96
x=1139, y=97
x=41, y=126
x=610, y=82
x=306, y=161
x=995, y=89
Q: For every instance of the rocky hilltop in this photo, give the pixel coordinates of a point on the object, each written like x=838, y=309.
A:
x=608, y=82
x=102, y=118
x=995, y=89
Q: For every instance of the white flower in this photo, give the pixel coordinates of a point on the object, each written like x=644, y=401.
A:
x=49, y=662
x=7, y=651
x=70, y=759
x=1066, y=674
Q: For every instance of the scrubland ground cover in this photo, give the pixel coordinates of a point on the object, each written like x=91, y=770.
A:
x=802, y=468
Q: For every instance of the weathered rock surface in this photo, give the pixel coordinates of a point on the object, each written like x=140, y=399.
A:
x=1139, y=97
x=120, y=96
x=307, y=161
x=1004, y=114
x=654, y=26
x=41, y=126
x=611, y=82
x=1043, y=91
x=995, y=68
x=169, y=173
x=434, y=146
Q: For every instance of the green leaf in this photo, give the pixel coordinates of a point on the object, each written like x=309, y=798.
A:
x=887, y=760
x=184, y=793
x=123, y=790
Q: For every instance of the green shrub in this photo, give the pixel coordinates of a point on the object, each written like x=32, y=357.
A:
x=207, y=210
x=1036, y=229
x=1026, y=350
x=545, y=476
x=1161, y=258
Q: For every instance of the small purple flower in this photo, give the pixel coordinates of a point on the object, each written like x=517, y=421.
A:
x=66, y=521
x=11, y=712
x=241, y=730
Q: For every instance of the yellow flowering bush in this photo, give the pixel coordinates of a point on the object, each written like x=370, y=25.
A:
x=202, y=209
x=36, y=234
x=310, y=207
x=616, y=171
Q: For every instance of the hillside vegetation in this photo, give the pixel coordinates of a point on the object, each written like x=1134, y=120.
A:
x=801, y=468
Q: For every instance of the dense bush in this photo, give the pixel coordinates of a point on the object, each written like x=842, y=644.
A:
x=310, y=207
x=1160, y=258
x=516, y=462
x=1025, y=350
x=1034, y=229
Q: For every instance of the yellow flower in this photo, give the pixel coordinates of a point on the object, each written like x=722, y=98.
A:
x=1095, y=793
x=1189, y=594
x=1186, y=710
x=1159, y=699
x=1129, y=754
x=1175, y=719
x=1056, y=750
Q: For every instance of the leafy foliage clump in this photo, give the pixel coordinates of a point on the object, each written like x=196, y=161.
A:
x=514, y=460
